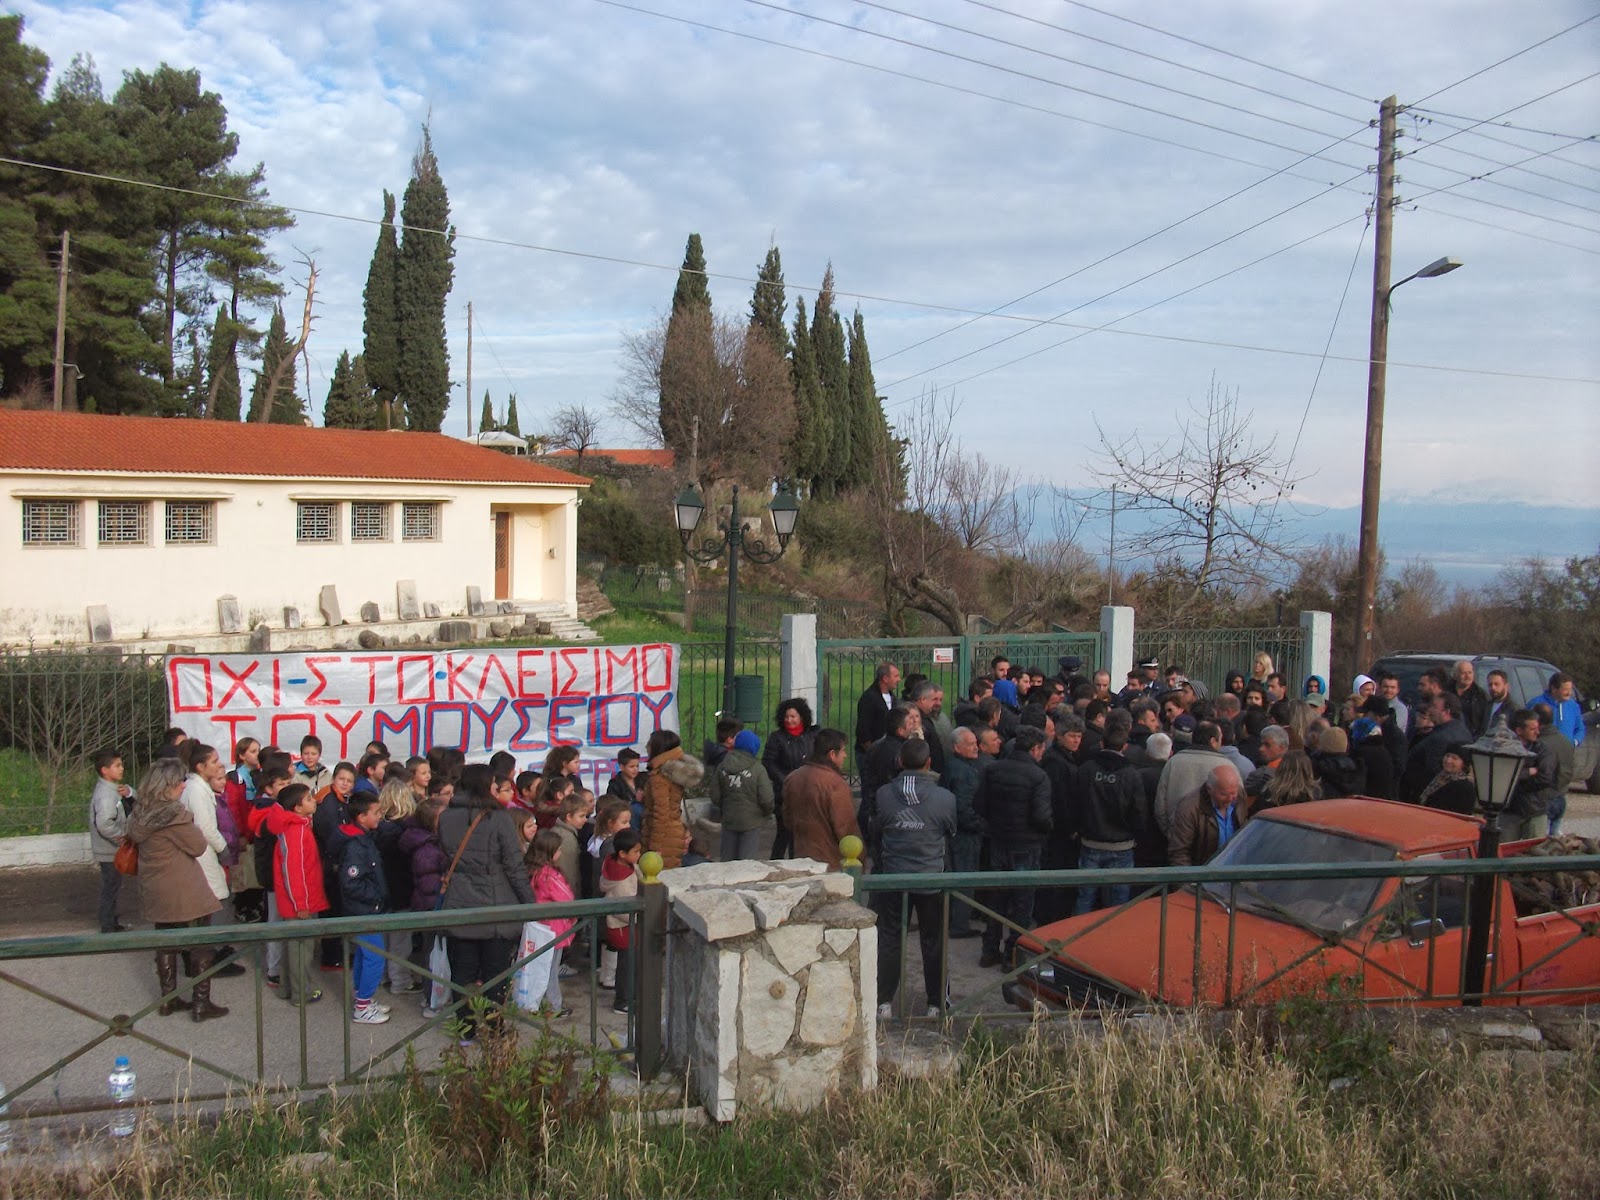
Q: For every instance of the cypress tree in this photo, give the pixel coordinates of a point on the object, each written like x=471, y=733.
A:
x=423, y=276
x=768, y=306
x=833, y=382
x=686, y=351
x=486, y=423
x=381, y=343
x=286, y=407
x=692, y=290
x=513, y=424
x=337, y=410
x=812, y=436
x=222, y=368
x=869, y=430
x=362, y=401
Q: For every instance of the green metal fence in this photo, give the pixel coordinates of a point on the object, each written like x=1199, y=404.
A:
x=700, y=687
x=1042, y=650
x=1209, y=654
x=56, y=709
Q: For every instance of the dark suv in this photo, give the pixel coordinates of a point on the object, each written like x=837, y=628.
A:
x=1528, y=678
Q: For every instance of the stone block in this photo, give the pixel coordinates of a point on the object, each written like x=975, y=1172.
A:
x=840, y=940
x=370, y=614
x=261, y=639
x=431, y=611
x=369, y=639
x=99, y=616
x=405, y=594
x=801, y=866
x=500, y=629
x=767, y=1001
x=712, y=874
x=455, y=631
x=291, y=617
x=797, y=1086
x=715, y=916
x=772, y=905
x=829, y=1015
x=506, y=607
x=179, y=648
x=328, y=602
x=838, y=885
x=1504, y=1031
x=474, y=601
x=229, y=618
x=795, y=946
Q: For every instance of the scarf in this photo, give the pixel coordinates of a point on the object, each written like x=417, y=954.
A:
x=1440, y=780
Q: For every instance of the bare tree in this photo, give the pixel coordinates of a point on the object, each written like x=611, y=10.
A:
x=287, y=363
x=734, y=416
x=1211, y=496
x=573, y=427
x=1048, y=577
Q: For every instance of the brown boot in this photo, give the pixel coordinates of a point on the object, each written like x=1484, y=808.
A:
x=167, y=974
x=203, y=1009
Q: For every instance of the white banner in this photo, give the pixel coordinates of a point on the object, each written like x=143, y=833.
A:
x=597, y=698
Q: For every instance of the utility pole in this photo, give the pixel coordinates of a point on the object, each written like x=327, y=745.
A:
x=470, y=397
x=1377, y=369
x=61, y=320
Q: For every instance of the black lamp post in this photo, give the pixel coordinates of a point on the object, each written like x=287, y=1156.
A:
x=690, y=507
x=1498, y=759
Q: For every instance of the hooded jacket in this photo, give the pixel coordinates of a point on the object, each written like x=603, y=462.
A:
x=428, y=863
x=618, y=881
x=201, y=802
x=296, y=860
x=1111, y=806
x=742, y=789
x=489, y=872
x=913, y=819
x=1568, y=716
x=363, y=888
x=673, y=774
x=173, y=889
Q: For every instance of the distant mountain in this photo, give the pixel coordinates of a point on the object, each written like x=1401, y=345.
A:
x=1467, y=543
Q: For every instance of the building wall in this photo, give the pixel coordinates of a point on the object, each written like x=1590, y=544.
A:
x=157, y=590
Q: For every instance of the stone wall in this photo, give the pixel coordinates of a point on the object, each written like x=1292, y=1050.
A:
x=771, y=984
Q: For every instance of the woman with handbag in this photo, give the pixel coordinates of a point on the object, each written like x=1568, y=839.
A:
x=173, y=889
x=485, y=870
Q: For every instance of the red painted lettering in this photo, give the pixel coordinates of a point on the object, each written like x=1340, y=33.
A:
x=322, y=680
x=372, y=661
x=659, y=655
x=400, y=677
x=493, y=663
x=184, y=670
x=452, y=677
x=526, y=672
x=344, y=732
x=239, y=684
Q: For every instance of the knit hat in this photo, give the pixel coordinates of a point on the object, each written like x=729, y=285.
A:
x=747, y=741
x=1334, y=741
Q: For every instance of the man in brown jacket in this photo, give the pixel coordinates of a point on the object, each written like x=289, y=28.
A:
x=817, y=805
x=1208, y=818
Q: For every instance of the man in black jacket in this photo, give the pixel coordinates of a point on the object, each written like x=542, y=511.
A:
x=1427, y=752
x=1060, y=764
x=881, y=762
x=1474, y=700
x=924, y=697
x=1111, y=812
x=872, y=709
x=1014, y=800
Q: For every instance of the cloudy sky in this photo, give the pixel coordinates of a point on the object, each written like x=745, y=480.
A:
x=1025, y=156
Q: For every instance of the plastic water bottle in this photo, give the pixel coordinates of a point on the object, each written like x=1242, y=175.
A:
x=120, y=1085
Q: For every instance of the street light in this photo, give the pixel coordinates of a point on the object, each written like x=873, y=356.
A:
x=1498, y=760
x=1372, y=461
x=690, y=507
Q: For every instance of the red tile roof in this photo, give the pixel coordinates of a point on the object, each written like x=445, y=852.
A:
x=626, y=458
x=52, y=441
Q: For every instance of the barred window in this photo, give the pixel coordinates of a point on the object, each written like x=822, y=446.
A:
x=191, y=522
x=50, y=522
x=315, y=522
x=419, y=522
x=124, y=522
x=369, y=521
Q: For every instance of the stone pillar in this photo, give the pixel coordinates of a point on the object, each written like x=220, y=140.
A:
x=1317, y=650
x=797, y=661
x=1116, y=643
x=772, y=985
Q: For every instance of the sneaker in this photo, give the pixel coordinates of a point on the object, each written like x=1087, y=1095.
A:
x=429, y=1012
x=570, y=972
x=406, y=990
x=273, y=981
x=886, y=1012
x=383, y=1008
x=940, y=1011
x=370, y=1015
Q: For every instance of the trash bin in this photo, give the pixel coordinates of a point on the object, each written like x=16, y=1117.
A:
x=749, y=693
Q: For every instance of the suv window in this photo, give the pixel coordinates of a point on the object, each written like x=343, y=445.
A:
x=1530, y=683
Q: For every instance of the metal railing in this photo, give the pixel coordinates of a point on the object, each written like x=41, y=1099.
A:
x=251, y=1056
x=1209, y=654
x=1434, y=928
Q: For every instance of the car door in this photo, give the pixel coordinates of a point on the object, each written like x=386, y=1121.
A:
x=1416, y=947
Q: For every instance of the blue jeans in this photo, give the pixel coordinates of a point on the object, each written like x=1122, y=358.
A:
x=1107, y=895
x=1555, y=810
x=1015, y=904
x=366, y=967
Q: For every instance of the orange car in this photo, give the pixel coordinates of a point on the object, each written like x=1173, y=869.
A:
x=1222, y=944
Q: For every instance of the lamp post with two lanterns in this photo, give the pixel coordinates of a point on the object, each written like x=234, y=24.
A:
x=689, y=508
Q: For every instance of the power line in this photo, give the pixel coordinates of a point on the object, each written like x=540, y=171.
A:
x=591, y=256
x=1431, y=118
x=1434, y=112
x=1115, y=253
x=1219, y=50
x=1538, y=237
x=1501, y=62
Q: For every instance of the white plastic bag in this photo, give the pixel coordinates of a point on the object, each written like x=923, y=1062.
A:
x=439, y=994
x=533, y=978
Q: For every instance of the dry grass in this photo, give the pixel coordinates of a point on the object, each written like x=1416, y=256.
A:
x=1150, y=1110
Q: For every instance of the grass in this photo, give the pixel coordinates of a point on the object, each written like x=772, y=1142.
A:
x=23, y=810
x=1152, y=1110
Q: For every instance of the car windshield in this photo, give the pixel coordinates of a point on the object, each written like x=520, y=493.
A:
x=1330, y=905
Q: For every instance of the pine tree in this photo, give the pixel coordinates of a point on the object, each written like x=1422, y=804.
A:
x=869, y=430
x=812, y=437
x=223, y=391
x=337, y=410
x=686, y=352
x=768, y=305
x=286, y=407
x=422, y=284
x=513, y=423
x=486, y=421
x=381, y=346
x=833, y=384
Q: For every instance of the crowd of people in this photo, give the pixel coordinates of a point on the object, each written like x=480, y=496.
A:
x=1026, y=772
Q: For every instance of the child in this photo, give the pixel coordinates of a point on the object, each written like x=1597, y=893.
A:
x=419, y=841
x=550, y=887
x=275, y=775
x=742, y=789
x=363, y=891
x=396, y=803
x=624, y=785
x=553, y=790
x=504, y=791
x=370, y=774
x=527, y=789
x=421, y=775
x=619, y=880
x=614, y=817
x=108, y=825
x=332, y=813
x=574, y=816
x=311, y=772
x=296, y=878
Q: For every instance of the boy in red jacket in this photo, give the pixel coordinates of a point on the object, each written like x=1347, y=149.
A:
x=297, y=879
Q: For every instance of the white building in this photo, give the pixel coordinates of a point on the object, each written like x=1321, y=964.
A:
x=157, y=519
